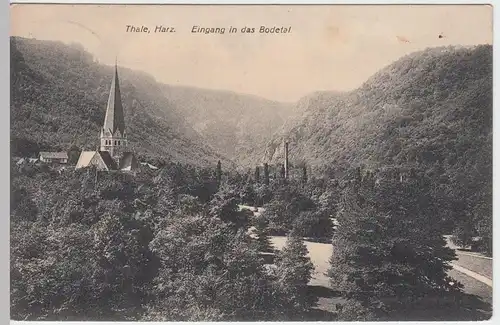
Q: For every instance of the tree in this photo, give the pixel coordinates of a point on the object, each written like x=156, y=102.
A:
x=262, y=194
x=257, y=174
x=286, y=206
x=218, y=174
x=266, y=174
x=208, y=272
x=22, y=206
x=73, y=154
x=51, y=273
x=247, y=195
x=155, y=240
x=293, y=272
x=314, y=224
x=263, y=241
x=388, y=252
x=124, y=263
x=470, y=203
x=463, y=233
x=74, y=272
x=224, y=206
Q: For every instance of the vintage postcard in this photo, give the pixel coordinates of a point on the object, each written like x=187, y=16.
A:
x=251, y=162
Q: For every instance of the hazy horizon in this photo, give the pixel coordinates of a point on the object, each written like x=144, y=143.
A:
x=330, y=47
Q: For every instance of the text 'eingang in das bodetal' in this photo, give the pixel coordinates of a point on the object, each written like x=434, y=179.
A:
x=196, y=29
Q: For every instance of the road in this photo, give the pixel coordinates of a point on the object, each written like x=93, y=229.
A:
x=474, y=271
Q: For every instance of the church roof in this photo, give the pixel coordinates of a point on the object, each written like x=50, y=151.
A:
x=128, y=161
x=85, y=159
x=114, y=119
x=88, y=158
x=108, y=160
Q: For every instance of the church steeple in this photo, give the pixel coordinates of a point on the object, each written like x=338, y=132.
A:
x=113, y=138
x=112, y=153
x=114, y=111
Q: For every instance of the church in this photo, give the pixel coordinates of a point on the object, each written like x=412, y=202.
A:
x=113, y=153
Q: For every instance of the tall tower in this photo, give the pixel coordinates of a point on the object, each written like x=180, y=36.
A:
x=113, y=137
x=286, y=160
x=266, y=174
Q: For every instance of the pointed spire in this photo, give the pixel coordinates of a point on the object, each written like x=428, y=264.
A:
x=114, y=119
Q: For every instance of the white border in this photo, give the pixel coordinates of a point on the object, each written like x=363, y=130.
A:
x=347, y=2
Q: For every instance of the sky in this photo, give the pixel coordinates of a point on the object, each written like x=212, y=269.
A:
x=329, y=47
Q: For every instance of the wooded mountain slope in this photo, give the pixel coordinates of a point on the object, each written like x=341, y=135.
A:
x=237, y=125
x=59, y=95
x=430, y=110
x=433, y=106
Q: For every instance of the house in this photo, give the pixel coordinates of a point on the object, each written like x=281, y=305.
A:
x=21, y=161
x=113, y=153
x=54, y=157
x=149, y=165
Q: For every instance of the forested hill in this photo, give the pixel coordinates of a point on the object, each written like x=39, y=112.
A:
x=237, y=125
x=69, y=90
x=58, y=99
x=430, y=107
x=430, y=110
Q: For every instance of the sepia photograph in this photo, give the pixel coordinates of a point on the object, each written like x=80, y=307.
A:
x=251, y=162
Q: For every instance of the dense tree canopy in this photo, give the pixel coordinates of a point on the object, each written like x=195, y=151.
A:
x=157, y=245
x=389, y=251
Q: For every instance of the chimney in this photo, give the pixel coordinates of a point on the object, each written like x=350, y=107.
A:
x=286, y=160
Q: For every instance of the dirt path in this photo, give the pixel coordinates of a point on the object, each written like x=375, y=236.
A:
x=473, y=271
x=476, y=263
x=474, y=275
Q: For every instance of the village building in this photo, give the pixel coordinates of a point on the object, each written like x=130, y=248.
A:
x=54, y=157
x=26, y=161
x=113, y=153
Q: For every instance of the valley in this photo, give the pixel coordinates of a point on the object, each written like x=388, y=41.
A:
x=399, y=161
